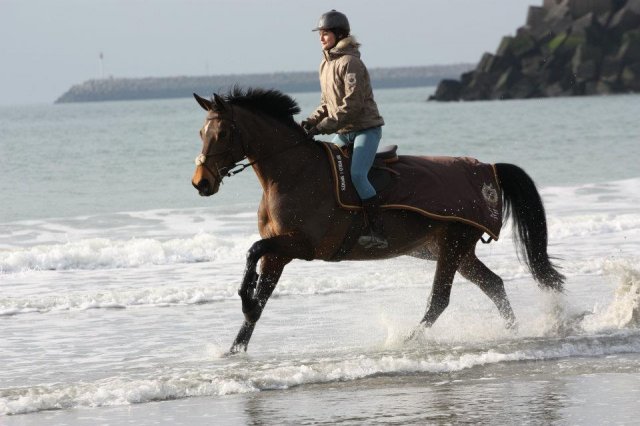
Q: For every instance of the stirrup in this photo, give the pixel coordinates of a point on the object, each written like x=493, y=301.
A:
x=372, y=240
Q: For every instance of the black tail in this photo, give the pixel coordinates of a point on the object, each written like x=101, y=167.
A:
x=523, y=203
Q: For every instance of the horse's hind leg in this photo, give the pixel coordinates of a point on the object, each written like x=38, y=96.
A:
x=456, y=241
x=491, y=284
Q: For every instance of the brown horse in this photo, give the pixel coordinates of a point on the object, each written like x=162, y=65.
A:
x=299, y=218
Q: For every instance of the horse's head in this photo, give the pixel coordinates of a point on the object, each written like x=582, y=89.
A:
x=218, y=154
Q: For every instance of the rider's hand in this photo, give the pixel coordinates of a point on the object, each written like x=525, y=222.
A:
x=309, y=128
x=312, y=131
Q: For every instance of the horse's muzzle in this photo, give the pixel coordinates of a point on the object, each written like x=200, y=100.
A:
x=203, y=188
x=204, y=182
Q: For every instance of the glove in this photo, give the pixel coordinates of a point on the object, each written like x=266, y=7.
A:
x=309, y=128
x=311, y=132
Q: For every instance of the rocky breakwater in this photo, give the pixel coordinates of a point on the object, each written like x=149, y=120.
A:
x=566, y=48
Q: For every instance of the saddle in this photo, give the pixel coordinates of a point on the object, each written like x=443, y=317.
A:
x=459, y=189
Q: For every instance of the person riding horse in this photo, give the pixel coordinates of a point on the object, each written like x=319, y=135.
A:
x=348, y=109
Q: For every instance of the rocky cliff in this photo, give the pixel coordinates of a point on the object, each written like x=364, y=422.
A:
x=566, y=48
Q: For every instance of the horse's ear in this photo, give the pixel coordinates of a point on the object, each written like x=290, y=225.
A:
x=221, y=104
x=204, y=103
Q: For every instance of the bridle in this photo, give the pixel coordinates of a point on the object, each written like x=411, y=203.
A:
x=237, y=166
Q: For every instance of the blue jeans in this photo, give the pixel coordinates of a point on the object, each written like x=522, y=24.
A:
x=365, y=144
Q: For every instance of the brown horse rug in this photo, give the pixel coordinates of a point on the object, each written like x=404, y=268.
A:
x=446, y=188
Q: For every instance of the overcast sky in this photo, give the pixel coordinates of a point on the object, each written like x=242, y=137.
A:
x=48, y=45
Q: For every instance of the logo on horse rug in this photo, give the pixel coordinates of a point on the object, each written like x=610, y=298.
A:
x=445, y=188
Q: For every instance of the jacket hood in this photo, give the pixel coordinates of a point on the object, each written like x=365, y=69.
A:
x=346, y=46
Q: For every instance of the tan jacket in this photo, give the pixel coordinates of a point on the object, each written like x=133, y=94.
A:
x=347, y=103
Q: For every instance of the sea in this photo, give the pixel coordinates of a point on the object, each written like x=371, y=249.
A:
x=118, y=281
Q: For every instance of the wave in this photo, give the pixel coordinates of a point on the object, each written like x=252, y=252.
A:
x=104, y=253
x=122, y=299
x=302, y=279
x=256, y=376
x=163, y=296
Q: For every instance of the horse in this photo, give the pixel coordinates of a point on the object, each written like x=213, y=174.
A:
x=299, y=217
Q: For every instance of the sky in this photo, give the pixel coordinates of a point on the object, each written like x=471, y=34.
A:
x=46, y=46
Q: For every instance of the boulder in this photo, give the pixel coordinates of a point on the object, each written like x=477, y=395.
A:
x=523, y=88
x=610, y=69
x=467, y=77
x=479, y=87
x=504, y=49
x=554, y=90
x=531, y=66
x=566, y=47
x=558, y=18
x=604, y=88
x=448, y=90
x=630, y=50
x=589, y=27
x=536, y=16
x=579, y=8
x=506, y=80
x=626, y=19
x=584, y=63
x=492, y=64
x=522, y=44
x=630, y=77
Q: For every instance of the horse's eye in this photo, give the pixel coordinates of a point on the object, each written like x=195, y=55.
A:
x=222, y=134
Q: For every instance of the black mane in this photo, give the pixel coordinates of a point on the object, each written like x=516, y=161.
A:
x=268, y=101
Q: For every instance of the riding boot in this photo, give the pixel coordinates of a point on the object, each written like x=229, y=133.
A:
x=374, y=237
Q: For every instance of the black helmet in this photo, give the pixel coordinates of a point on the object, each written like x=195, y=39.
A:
x=334, y=20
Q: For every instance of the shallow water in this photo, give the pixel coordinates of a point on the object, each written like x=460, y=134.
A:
x=118, y=288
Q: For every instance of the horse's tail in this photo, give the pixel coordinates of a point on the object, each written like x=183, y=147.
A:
x=523, y=203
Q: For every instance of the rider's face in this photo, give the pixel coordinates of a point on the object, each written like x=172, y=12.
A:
x=327, y=39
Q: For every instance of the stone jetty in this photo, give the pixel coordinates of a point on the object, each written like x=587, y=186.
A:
x=119, y=89
x=566, y=48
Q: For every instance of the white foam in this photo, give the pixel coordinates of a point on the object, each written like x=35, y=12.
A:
x=104, y=253
x=253, y=377
x=145, y=297
x=624, y=310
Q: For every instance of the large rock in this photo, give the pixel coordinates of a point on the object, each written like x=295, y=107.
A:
x=536, y=15
x=630, y=50
x=448, y=90
x=580, y=8
x=631, y=77
x=566, y=47
x=584, y=63
x=626, y=19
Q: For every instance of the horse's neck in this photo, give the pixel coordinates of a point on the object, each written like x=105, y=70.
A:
x=280, y=153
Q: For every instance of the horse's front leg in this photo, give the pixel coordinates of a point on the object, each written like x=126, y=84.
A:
x=256, y=289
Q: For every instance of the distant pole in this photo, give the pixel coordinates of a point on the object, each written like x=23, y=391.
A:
x=101, y=65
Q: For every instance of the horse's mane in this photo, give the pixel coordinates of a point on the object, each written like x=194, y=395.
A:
x=268, y=101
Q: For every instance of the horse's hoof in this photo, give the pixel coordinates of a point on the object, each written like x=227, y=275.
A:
x=235, y=350
x=415, y=333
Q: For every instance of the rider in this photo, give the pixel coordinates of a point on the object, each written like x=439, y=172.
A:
x=347, y=108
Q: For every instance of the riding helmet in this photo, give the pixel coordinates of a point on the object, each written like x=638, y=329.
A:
x=334, y=21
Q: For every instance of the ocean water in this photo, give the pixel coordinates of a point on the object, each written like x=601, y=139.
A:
x=118, y=282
